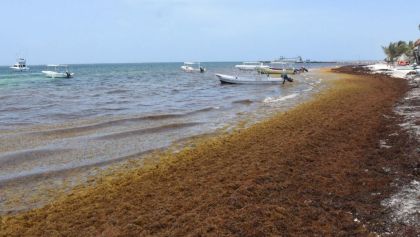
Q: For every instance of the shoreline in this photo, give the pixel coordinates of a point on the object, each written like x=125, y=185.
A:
x=301, y=172
x=40, y=162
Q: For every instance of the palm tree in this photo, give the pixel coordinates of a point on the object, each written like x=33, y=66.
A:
x=396, y=49
x=390, y=51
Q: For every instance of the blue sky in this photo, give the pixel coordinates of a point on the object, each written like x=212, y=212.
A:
x=107, y=31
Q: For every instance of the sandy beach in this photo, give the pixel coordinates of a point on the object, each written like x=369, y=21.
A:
x=323, y=168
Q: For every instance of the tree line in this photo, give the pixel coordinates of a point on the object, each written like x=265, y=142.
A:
x=396, y=49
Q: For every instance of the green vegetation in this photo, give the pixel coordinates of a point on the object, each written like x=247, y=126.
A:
x=396, y=49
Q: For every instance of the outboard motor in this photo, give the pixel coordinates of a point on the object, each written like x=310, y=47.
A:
x=202, y=69
x=286, y=78
x=68, y=75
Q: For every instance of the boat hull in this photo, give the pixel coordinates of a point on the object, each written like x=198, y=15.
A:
x=191, y=69
x=19, y=69
x=52, y=74
x=227, y=79
x=275, y=71
x=250, y=67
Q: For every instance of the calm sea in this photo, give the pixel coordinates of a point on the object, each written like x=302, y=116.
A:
x=54, y=130
x=28, y=98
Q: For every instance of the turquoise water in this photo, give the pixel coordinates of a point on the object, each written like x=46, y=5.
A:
x=55, y=133
x=28, y=98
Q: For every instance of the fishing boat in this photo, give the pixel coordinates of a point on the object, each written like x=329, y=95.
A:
x=276, y=70
x=251, y=66
x=284, y=60
x=273, y=70
x=20, y=65
x=262, y=80
x=58, y=71
x=189, y=67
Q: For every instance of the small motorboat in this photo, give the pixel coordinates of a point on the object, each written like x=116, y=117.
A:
x=267, y=80
x=273, y=70
x=284, y=60
x=189, y=67
x=58, y=71
x=251, y=66
x=20, y=65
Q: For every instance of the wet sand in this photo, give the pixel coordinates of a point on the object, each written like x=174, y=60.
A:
x=318, y=169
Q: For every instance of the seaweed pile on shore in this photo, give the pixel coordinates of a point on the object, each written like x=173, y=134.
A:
x=318, y=169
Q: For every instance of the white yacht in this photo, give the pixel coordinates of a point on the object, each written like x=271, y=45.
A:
x=58, y=71
x=20, y=65
x=284, y=60
x=189, y=67
x=251, y=66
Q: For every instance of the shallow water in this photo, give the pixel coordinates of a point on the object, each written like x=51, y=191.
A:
x=53, y=129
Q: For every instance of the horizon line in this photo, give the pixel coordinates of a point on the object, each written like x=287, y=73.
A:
x=222, y=61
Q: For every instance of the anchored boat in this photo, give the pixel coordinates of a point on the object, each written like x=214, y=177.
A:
x=283, y=60
x=58, y=71
x=189, y=67
x=20, y=65
x=253, y=80
x=272, y=70
x=275, y=70
x=251, y=66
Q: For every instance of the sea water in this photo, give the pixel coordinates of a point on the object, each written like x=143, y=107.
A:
x=107, y=113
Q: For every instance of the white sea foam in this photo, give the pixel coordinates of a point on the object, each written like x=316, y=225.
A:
x=281, y=98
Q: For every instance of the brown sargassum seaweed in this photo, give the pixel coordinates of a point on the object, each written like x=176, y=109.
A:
x=306, y=172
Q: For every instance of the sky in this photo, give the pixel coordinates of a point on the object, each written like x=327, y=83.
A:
x=134, y=31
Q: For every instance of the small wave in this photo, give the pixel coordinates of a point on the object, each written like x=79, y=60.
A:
x=87, y=128
x=159, y=116
x=118, y=91
x=5, y=97
x=244, y=102
x=29, y=155
x=207, y=109
x=282, y=98
x=144, y=131
x=14, y=109
x=26, y=177
x=114, y=109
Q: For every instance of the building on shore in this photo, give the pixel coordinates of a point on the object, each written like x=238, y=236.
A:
x=417, y=51
x=403, y=60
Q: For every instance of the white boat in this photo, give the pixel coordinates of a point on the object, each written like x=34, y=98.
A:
x=58, y=71
x=253, y=80
x=284, y=60
x=20, y=65
x=251, y=66
x=189, y=67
